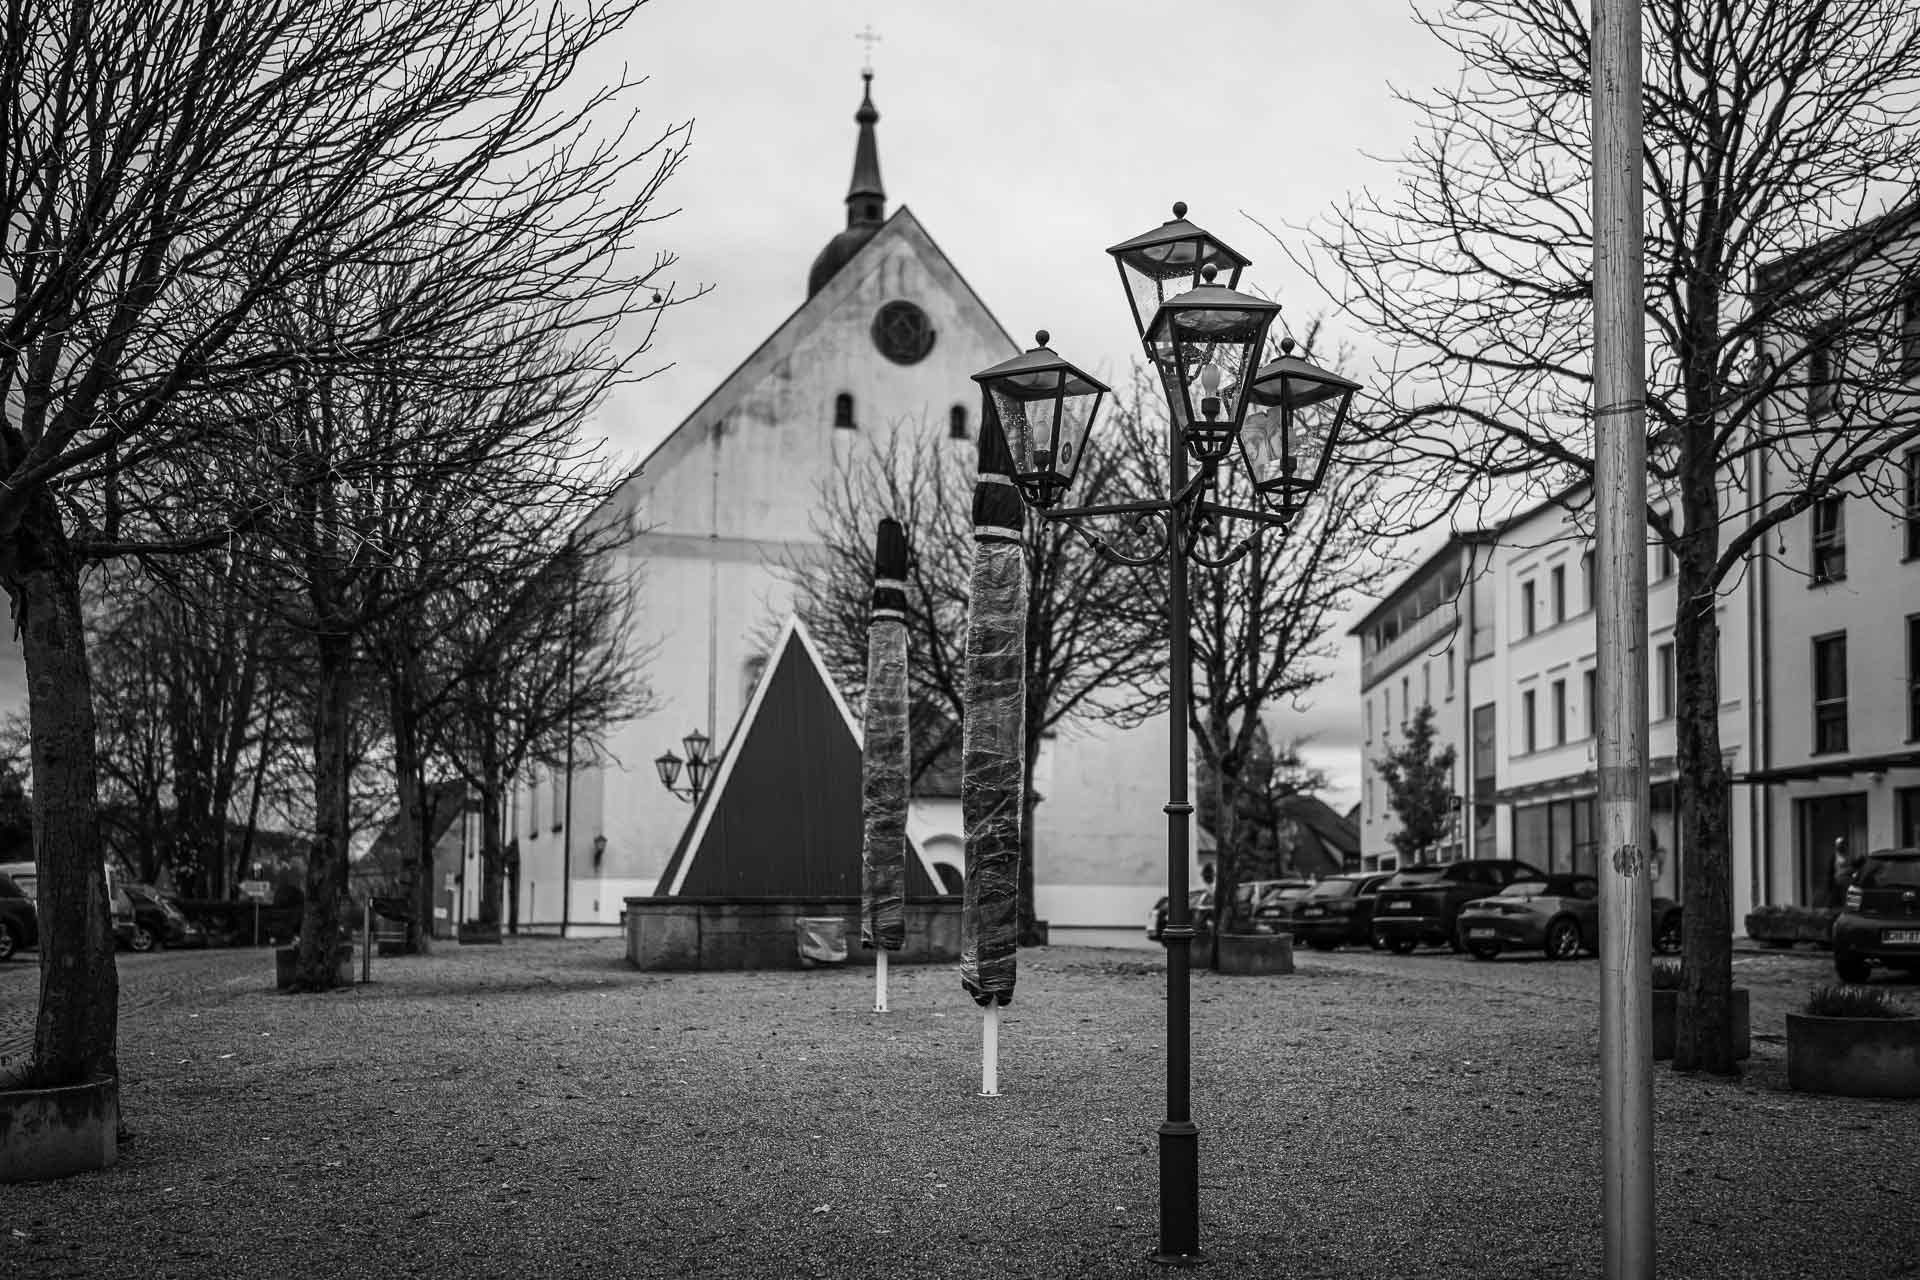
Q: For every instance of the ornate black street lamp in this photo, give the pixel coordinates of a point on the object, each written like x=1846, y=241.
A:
x=1205, y=340
x=699, y=766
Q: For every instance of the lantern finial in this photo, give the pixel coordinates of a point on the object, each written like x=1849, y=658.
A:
x=1179, y=208
x=1041, y=338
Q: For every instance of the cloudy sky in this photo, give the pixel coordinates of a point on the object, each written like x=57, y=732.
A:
x=1027, y=138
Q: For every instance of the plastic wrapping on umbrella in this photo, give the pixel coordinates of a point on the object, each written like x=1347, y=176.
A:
x=883, y=791
x=993, y=758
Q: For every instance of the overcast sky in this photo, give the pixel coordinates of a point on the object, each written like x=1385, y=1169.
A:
x=1027, y=138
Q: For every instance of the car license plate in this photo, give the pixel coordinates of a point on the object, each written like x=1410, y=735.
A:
x=1901, y=937
x=1313, y=911
x=1399, y=906
x=1483, y=933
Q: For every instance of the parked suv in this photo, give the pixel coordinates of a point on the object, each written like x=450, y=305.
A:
x=19, y=922
x=1880, y=923
x=1339, y=909
x=1422, y=904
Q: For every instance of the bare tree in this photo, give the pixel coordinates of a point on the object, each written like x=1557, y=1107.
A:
x=165, y=170
x=1773, y=131
x=1260, y=629
x=1090, y=652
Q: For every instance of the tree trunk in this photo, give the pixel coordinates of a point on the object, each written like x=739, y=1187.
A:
x=76, y=1034
x=320, y=924
x=1704, y=1034
x=492, y=859
x=410, y=822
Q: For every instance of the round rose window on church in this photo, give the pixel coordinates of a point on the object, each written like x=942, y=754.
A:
x=902, y=332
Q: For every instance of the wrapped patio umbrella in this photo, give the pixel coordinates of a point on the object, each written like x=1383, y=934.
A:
x=883, y=787
x=992, y=748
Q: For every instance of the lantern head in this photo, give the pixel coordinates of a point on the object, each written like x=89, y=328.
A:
x=1205, y=344
x=1045, y=407
x=1166, y=261
x=1299, y=410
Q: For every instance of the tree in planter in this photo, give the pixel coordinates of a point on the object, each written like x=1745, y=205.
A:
x=1090, y=652
x=1269, y=779
x=1261, y=631
x=537, y=671
x=1419, y=789
x=1770, y=134
x=169, y=167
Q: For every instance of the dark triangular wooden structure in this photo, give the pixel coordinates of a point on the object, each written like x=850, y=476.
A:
x=782, y=818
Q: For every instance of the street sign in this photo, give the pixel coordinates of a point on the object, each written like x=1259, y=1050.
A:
x=258, y=890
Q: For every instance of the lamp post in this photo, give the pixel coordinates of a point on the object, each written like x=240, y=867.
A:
x=699, y=767
x=1205, y=341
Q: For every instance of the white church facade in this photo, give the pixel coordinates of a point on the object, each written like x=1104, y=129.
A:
x=887, y=338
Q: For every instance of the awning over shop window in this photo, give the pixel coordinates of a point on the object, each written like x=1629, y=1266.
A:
x=1851, y=767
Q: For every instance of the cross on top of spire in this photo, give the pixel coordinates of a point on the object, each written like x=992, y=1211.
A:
x=869, y=37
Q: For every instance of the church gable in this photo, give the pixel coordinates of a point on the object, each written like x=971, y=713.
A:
x=889, y=342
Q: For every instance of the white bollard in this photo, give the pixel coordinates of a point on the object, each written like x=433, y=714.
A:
x=990, y=1051
x=880, y=981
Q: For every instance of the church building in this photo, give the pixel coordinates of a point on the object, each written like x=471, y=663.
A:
x=887, y=337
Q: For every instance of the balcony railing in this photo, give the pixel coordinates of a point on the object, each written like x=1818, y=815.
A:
x=1422, y=637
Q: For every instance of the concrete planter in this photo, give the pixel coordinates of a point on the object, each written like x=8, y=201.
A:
x=1666, y=1014
x=1779, y=925
x=1255, y=953
x=474, y=934
x=1854, y=1057
x=286, y=959
x=759, y=933
x=51, y=1133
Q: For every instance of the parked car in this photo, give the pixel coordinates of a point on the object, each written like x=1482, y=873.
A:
x=1880, y=921
x=1559, y=914
x=1199, y=907
x=19, y=922
x=159, y=922
x=1277, y=900
x=1339, y=909
x=26, y=876
x=1422, y=904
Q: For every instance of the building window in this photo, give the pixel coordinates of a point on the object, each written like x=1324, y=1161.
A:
x=1406, y=701
x=556, y=800
x=1590, y=690
x=957, y=422
x=843, y=411
x=902, y=332
x=1662, y=561
x=1820, y=381
x=1559, y=712
x=533, y=805
x=1485, y=764
x=1449, y=675
x=1526, y=608
x=1829, y=540
x=1913, y=677
x=1586, y=578
x=1912, y=520
x=1557, y=588
x=1367, y=708
x=1910, y=332
x=1527, y=731
x=1663, y=683
x=1830, y=693
x=1426, y=683
x=1386, y=712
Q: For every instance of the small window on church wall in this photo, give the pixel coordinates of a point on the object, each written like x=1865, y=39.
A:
x=957, y=422
x=902, y=332
x=843, y=411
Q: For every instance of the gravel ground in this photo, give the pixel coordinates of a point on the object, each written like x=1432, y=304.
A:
x=540, y=1109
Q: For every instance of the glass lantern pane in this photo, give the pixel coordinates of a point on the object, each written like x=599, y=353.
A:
x=1020, y=429
x=1152, y=280
x=1260, y=443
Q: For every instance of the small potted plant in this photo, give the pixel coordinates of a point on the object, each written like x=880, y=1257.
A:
x=1854, y=1041
x=1666, y=1012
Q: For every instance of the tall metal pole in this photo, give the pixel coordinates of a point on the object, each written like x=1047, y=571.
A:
x=1620, y=501
x=1179, y=1137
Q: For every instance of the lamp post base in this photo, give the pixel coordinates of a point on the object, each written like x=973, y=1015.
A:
x=1179, y=1194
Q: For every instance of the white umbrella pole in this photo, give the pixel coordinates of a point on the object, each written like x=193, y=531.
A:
x=990, y=1051
x=880, y=981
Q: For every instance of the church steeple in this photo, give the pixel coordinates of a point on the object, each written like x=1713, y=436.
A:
x=866, y=198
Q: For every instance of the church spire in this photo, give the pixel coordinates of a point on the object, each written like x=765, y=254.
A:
x=866, y=198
